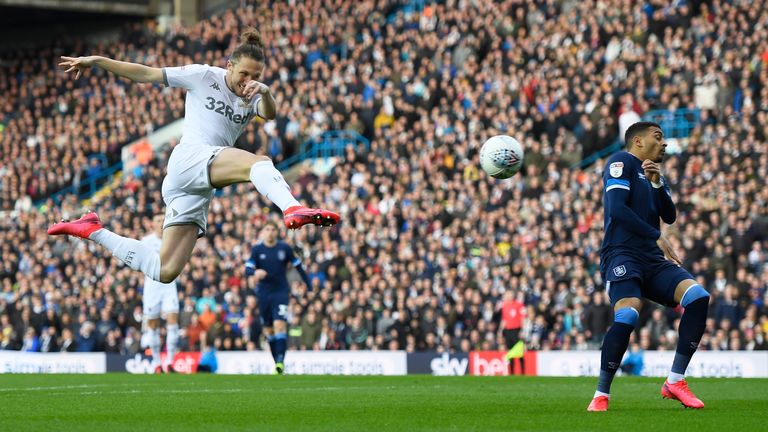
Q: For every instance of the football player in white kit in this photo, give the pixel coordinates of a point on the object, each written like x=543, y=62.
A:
x=160, y=299
x=219, y=103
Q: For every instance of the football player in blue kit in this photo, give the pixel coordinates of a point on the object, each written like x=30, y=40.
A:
x=269, y=262
x=637, y=261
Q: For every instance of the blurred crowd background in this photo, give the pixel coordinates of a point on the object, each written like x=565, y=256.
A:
x=429, y=244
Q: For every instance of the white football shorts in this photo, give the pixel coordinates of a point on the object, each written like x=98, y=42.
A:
x=187, y=189
x=159, y=298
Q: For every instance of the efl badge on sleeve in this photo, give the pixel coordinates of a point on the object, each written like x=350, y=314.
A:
x=616, y=169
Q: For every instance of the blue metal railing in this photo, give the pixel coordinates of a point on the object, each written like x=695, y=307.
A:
x=589, y=160
x=326, y=145
x=87, y=186
x=675, y=124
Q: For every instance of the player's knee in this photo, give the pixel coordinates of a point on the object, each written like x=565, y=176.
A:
x=627, y=315
x=628, y=302
x=693, y=293
x=168, y=274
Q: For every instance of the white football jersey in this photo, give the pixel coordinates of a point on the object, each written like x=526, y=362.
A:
x=213, y=114
x=153, y=241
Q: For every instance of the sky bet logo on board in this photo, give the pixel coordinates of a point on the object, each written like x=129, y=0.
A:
x=447, y=365
x=438, y=364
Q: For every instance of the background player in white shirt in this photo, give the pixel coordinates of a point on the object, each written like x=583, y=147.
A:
x=160, y=300
x=219, y=103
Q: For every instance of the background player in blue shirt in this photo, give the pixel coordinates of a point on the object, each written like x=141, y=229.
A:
x=270, y=261
x=637, y=261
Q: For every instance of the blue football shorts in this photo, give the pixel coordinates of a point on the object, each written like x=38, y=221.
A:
x=273, y=307
x=652, y=278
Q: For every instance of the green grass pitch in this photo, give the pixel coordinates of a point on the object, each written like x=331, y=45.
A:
x=123, y=402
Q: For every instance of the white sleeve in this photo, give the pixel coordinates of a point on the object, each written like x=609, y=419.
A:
x=187, y=77
x=256, y=105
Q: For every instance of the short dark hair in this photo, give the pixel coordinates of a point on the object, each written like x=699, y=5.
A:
x=636, y=129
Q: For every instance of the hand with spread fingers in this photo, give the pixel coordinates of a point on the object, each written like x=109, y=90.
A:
x=77, y=64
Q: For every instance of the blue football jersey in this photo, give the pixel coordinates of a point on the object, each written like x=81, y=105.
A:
x=275, y=261
x=632, y=209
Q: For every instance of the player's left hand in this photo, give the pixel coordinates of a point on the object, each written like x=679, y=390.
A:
x=666, y=247
x=652, y=171
x=252, y=88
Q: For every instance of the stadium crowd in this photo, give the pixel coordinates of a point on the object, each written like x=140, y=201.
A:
x=429, y=244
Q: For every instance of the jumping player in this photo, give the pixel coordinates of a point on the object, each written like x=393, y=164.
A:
x=219, y=103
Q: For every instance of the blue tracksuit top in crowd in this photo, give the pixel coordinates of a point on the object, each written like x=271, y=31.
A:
x=632, y=208
x=274, y=260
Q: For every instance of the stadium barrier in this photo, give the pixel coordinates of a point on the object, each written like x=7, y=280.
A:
x=709, y=364
x=316, y=362
x=76, y=363
x=444, y=364
x=488, y=363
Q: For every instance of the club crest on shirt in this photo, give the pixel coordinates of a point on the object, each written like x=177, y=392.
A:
x=616, y=169
x=620, y=271
x=281, y=255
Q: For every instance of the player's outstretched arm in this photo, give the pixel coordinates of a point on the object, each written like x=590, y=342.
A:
x=133, y=71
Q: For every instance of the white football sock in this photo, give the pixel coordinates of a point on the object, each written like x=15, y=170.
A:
x=270, y=183
x=599, y=393
x=675, y=377
x=131, y=252
x=154, y=345
x=145, y=339
x=171, y=340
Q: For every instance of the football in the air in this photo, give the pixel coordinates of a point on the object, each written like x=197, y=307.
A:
x=501, y=156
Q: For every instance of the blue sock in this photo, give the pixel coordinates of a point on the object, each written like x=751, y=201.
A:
x=614, y=345
x=272, y=349
x=692, y=325
x=281, y=345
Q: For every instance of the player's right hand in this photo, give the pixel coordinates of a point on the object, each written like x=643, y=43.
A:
x=652, y=171
x=260, y=274
x=77, y=64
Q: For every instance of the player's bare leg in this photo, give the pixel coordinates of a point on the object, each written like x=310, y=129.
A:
x=178, y=243
x=695, y=300
x=176, y=249
x=239, y=166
